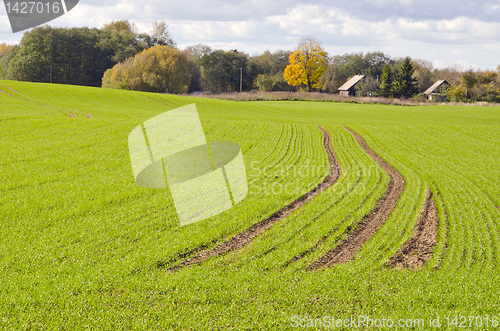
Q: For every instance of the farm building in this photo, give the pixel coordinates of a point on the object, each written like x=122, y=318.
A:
x=349, y=88
x=435, y=92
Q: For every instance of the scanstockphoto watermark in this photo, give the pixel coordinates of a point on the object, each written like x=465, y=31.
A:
x=354, y=322
x=297, y=186
x=261, y=169
x=280, y=179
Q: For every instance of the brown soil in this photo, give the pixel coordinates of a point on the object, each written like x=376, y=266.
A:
x=163, y=102
x=10, y=88
x=243, y=238
x=346, y=250
x=36, y=102
x=418, y=250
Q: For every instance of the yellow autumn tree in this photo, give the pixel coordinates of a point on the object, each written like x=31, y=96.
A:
x=4, y=49
x=307, y=64
x=157, y=69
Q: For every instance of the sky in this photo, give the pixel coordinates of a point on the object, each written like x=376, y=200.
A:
x=447, y=33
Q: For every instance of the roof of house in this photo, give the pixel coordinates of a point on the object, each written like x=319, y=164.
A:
x=435, y=86
x=351, y=82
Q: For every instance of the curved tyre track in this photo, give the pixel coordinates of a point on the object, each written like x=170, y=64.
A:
x=243, y=238
x=163, y=102
x=418, y=250
x=30, y=99
x=347, y=249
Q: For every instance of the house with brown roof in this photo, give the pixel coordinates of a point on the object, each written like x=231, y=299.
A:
x=436, y=91
x=349, y=88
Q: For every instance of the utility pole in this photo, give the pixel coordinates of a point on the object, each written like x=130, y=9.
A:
x=51, y=73
x=241, y=78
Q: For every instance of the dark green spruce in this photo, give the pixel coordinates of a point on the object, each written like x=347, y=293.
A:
x=404, y=85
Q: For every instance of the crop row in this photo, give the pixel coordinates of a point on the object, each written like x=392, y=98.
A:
x=460, y=171
x=321, y=223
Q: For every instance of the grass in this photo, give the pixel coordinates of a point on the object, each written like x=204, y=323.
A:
x=82, y=246
x=420, y=100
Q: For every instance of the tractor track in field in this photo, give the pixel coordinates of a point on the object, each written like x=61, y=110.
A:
x=418, y=250
x=245, y=237
x=348, y=248
x=30, y=99
x=40, y=104
x=163, y=102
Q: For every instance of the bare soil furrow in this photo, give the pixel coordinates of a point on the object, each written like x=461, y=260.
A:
x=348, y=248
x=164, y=102
x=418, y=250
x=33, y=101
x=245, y=237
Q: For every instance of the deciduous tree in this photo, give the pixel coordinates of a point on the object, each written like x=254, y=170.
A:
x=4, y=49
x=221, y=71
x=468, y=82
x=7, y=52
x=194, y=54
x=307, y=64
x=269, y=69
x=157, y=69
x=423, y=74
x=120, y=40
x=161, y=35
x=68, y=56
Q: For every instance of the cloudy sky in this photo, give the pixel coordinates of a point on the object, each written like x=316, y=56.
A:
x=445, y=32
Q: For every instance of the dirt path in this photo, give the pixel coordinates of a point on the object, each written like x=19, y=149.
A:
x=30, y=99
x=346, y=250
x=418, y=250
x=246, y=237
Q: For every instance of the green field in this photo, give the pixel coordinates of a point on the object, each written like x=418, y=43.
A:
x=83, y=247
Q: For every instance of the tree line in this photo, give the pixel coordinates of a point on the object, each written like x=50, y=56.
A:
x=77, y=56
x=117, y=56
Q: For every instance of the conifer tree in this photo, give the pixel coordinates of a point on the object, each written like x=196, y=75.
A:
x=405, y=85
x=385, y=82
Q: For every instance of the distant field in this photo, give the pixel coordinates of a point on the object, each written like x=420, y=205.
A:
x=82, y=246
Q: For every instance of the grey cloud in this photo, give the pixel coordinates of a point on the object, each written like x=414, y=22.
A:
x=219, y=10
x=370, y=10
x=225, y=10
x=488, y=10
